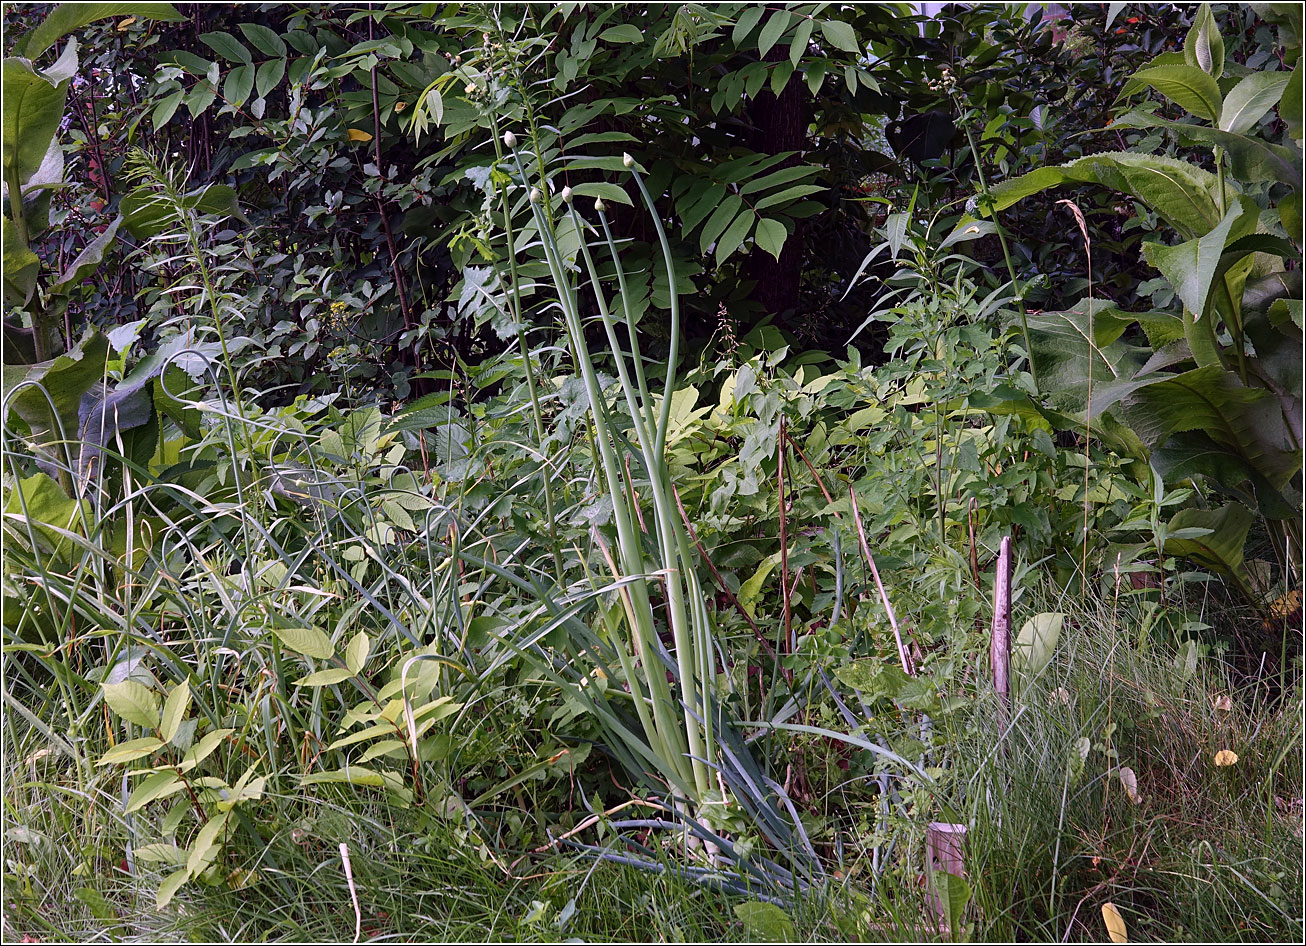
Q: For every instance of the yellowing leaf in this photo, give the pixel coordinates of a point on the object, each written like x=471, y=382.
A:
x=1226, y=757
x=1224, y=703
x=1115, y=923
x=357, y=134
x=123, y=24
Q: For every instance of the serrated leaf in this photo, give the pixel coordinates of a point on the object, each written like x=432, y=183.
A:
x=356, y=653
x=1115, y=923
x=174, y=710
x=324, y=678
x=133, y=702
x=158, y=785
x=308, y=641
x=131, y=750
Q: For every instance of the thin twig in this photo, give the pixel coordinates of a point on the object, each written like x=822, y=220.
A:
x=866, y=550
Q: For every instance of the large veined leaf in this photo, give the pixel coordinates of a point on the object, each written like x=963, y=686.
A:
x=1249, y=100
x=49, y=511
x=1192, y=453
x=1249, y=158
x=1247, y=420
x=21, y=267
x=33, y=108
x=67, y=17
x=1180, y=193
x=65, y=379
x=1220, y=548
x=1193, y=90
x=1067, y=355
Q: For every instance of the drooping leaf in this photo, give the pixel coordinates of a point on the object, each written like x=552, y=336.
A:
x=771, y=235
x=87, y=260
x=841, y=35
x=33, y=109
x=21, y=267
x=132, y=749
x=1036, y=643
x=1220, y=548
x=1192, y=89
x=67, y=17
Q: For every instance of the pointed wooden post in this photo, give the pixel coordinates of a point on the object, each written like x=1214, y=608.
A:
x=1000, y=650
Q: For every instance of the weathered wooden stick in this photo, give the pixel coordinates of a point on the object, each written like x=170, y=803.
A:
x=1000, y=652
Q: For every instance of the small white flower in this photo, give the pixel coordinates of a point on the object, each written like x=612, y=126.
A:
x=509, y=139
x=471, y=88
x=565, y=196
x=535, y=195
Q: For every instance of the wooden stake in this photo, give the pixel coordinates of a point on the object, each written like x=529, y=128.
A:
x=1000, y=652
x=943, y=841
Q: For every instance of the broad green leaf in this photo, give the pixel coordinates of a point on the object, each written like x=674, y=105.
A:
x=169, y=886
x=1221, y=548
x=168, y=854
x=226, y=46
x=1068, y=354
x=623, y=33
x=954, y=894
x=1190, y=268
x=771, y=235
x=775, y=26
x=735, y=235
x=33, y=109
x=1203, y=46
x=874, y=679
x=43, y=504
x=720, y=219
x=351, y=775
x=1249, y=100
x=65, y=379
x=356, y=652
x=67, y=17
x=204, y=748
x=840, y=35
x=1290, y=106
x=174, y=710
x=747, y=20
x=264, y=39
x=308, y=641
x=1036, y=643
x=1187, y=86
x=131, y=750
x=134, y=702
x=205, y=847
x=604, y=190
x=239, y=84
x=155, y=786
x=87, y=260
x=766, y=922
x=146, y=215
x=787, y=196
x=1249, y=158
x=269, y=74
x=798, y=46
x=1180, y=193
x=324, y=678
x=21, y=267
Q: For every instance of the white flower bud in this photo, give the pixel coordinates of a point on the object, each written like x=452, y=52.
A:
x=599, y=206
x=565, y=196
x=509, y=139
x=627, y=160
x=535, y=195
x=471, y=88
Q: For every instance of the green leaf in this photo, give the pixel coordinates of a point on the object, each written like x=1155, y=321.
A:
x=776, y=178
x=720, y=219
x=239, y=83
x=145, y=214
x=33, y=109
x=1187, y=86
x=603, y=189
x=1249, y=100
x=205, y=846
x=227, y=46
x=1190, y=266
x=1180, y=193
x=840, y=35
x=771, y=235
x=954, y=893
x=325, y=678
x=153, y=787
x=168, y=888
x=165, y=109
x=269, y=74
x=1036, y=642
x=350, y=775
x=1290, y=106
x=168, y=854
x=775, y=26
x=798, y=47
x=1067, y=354
x=22, y=267
x=87, y=260
x=766, y=922
x=735, y=235
x=204, y=748
x=1249, y=158
x=624, y=33
x=1221, y=548
x=133, y=702
x=788, y=196
x=744, y=25
x=67, y=17
x=308, y=641
x=357, y=651
x=131, y=750
x=873, y=678
x=264, y=39
x=1203, y=46
x=174, y=710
